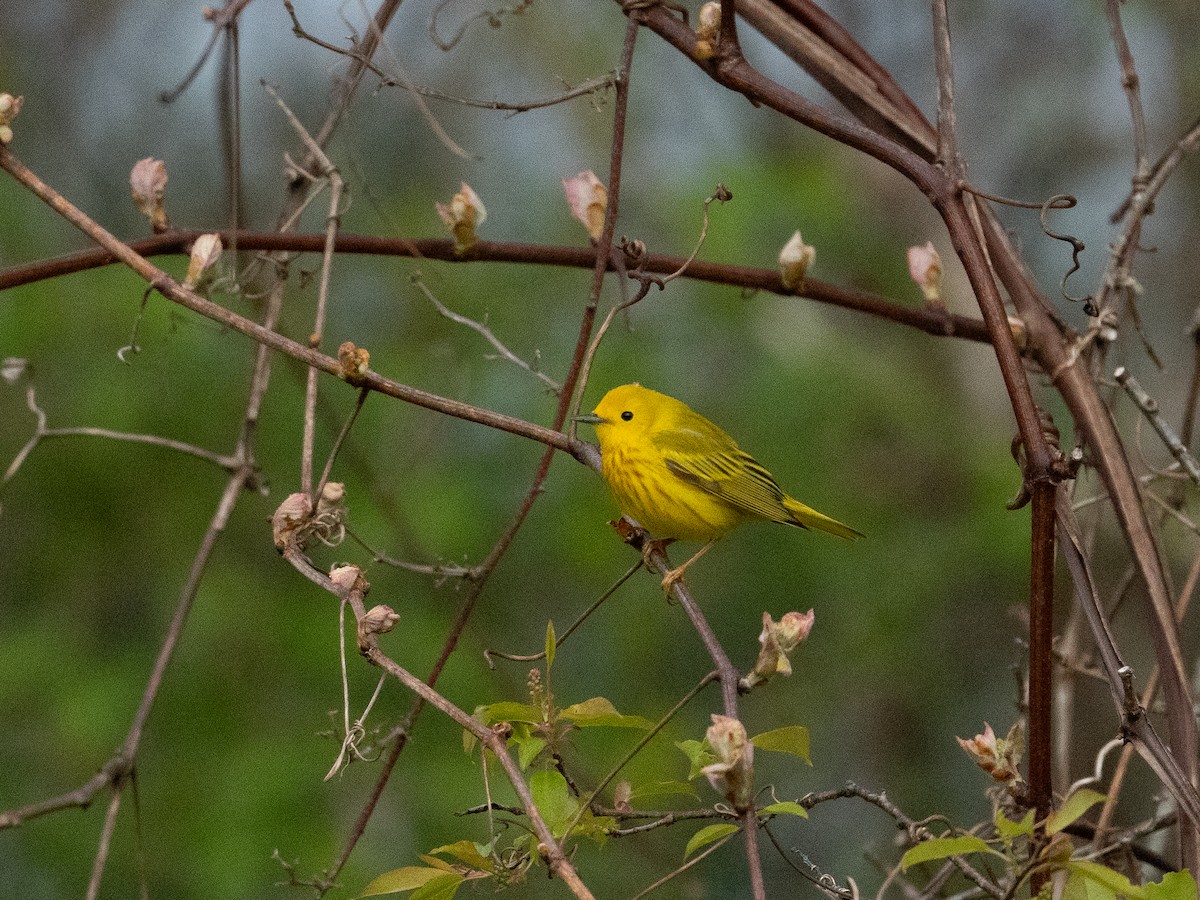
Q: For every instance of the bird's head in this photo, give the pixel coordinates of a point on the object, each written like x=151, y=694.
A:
x=628, y=412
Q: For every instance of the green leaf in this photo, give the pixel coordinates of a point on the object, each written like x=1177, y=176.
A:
x=662, y=789
x=707, y=835
x=793, y=739
x=785, y=807
x=600, y=711
x=443, y=887
x=553, y=799
x=550, y=644
x=508, y=711
x=468, y=853
x=1107, y=878
x=1174, y=886
x=699, y=754
x=940, y=848
x=407, y=878
x=1077, y=804
x=1010, y=830
x=527, y=750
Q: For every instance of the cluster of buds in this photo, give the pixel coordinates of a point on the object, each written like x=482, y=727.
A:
x=999, y=757
x=588, y=199
x=794, y=261
x=147, y=183
x=778, y=639
x=463, y=214
x=353, y=361
x=733, y=772
x=9, y=107
x=295, y=521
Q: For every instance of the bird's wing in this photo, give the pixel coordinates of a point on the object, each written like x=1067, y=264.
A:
x=714, y=463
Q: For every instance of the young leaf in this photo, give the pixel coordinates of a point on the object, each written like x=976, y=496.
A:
x=550, y=644
x=940, y=848
x=527, y=749
x=1010, y=830
x=792, y=739
x=1077, y=804
x=508, y=711
x=699, y=754
x=553, y=799
x=406, y=878
x=786, y=807
x=707, y=835
x=600, y=711
x=468, y=853
x=444, y=887
x=1107, y=878
x=1174, y=886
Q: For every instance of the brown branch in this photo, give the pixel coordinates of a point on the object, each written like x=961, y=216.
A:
x=933, y=321
x=1135, y=724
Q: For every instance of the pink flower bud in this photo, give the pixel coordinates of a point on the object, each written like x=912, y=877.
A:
x=379, y=620
x=999, y=757
x=925, y=268
x=147, y=182
x=588, y=199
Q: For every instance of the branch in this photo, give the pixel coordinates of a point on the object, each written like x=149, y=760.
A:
x=931, y=321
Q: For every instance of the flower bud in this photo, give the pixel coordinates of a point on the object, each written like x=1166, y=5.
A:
x=733, y=773
x=353, y=361
x=332, y=495
x=794, y=260
x=9, y=107
x=379, y=620
x=588, y=199
x=290, y=515
x=463, y=215
x=147, y=182
x=999, y=757
x=778, y=639
x=708, y=26
x=348, y=578
x=204, y=255
x=925, y=268
x=1021, y=334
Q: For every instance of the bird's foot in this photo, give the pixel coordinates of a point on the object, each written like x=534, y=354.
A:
x=671, y=577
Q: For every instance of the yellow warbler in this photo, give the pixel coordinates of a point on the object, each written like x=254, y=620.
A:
x=681, y=477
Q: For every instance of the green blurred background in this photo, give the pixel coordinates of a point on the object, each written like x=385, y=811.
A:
x=904, y=436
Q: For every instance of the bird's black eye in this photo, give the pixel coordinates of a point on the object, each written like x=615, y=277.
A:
x=626, y=416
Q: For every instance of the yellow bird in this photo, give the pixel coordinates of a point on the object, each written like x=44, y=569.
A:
x=681, y=477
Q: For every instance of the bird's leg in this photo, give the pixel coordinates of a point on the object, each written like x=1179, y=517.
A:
x=675, y=574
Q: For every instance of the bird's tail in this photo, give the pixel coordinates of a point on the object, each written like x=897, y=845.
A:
x=807, y=517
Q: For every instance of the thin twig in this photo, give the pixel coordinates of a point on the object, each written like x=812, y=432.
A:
x=482, y=329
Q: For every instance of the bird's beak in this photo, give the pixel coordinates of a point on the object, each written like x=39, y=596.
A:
x=591, y=419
